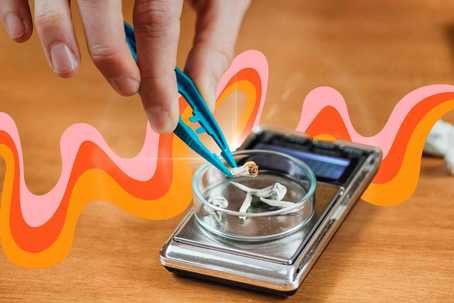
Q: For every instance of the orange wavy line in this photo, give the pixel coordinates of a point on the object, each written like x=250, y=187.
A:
x=329, y=121
x=36, y=239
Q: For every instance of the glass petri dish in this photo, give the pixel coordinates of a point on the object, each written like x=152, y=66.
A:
x=261, y=222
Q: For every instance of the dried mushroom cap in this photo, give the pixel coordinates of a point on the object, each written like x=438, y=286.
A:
x=253, y=168
x=248, y=169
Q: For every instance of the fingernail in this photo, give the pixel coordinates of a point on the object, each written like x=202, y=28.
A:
x=14, y=26
x=160, y=119
x=125, y=85
x=62, y=59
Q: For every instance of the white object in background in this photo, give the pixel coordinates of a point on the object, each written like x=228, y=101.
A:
x=440, y=143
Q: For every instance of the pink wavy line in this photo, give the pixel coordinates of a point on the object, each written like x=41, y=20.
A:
x=38, y=209
x=253, y=59
x=321, y=97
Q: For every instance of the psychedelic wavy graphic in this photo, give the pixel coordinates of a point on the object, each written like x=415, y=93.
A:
x=37, y=231
x=325, y=115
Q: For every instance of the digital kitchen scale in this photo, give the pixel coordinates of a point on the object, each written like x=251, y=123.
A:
x=342, y=170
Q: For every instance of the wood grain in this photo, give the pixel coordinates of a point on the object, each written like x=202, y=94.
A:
x=374, y=52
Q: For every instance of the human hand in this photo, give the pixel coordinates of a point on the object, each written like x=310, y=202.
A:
x=157, y=28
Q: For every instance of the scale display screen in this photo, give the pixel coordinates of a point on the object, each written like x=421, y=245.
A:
x=324, y=166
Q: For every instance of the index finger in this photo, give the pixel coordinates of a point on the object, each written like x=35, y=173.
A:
x=157, y=28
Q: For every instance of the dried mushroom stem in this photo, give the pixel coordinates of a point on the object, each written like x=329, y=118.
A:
x=245, y=206
x=218, y=201
x=271, y=195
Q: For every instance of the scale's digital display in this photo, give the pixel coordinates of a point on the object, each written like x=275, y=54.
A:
x=327, y=167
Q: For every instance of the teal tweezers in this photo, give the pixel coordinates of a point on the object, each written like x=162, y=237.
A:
x=200, y=114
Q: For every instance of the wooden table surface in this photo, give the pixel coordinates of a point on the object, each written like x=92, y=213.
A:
x=374, y=52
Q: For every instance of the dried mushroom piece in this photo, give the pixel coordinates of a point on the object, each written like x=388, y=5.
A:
x=275, y=203
x=245, y=206
x=271, y=195
x=248, y=169
x=277, y=191
x=218, y=201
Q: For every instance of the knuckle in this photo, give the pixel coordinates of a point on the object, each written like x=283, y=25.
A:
x=224, y=56
x=152, y=18
x=90, y=4
x=150, y=77
x=101, y=53
x=48, y=19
